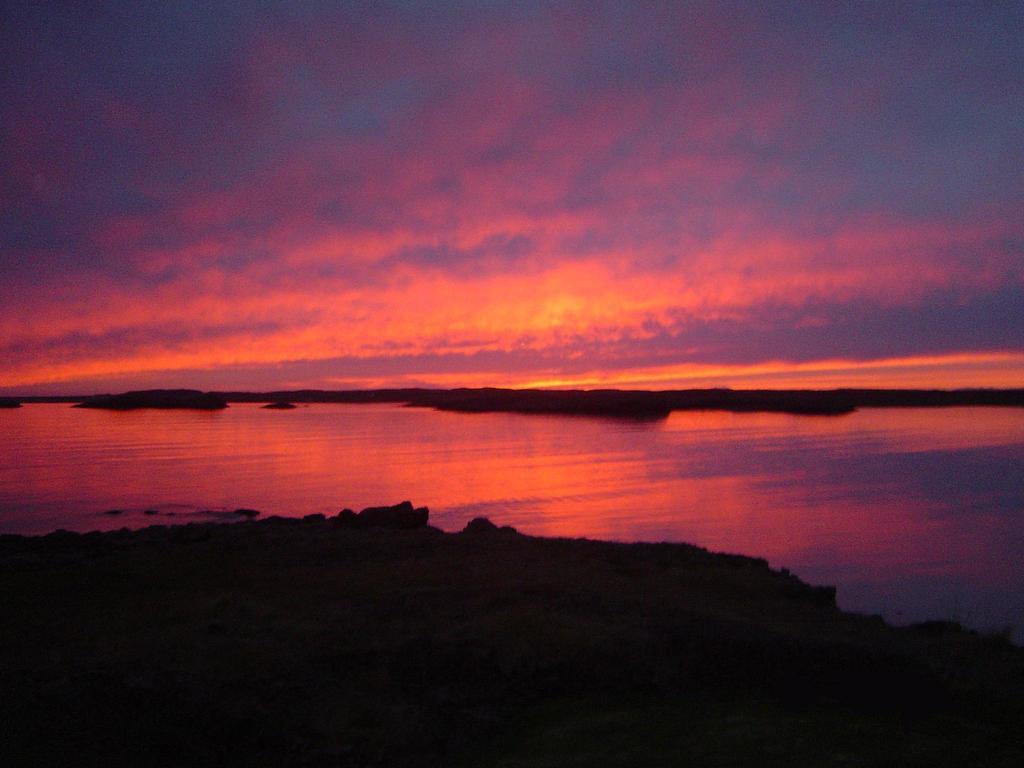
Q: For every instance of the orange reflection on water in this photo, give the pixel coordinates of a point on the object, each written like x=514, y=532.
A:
x=909, y=511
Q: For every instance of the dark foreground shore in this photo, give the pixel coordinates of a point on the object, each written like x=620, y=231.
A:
x=346, y=642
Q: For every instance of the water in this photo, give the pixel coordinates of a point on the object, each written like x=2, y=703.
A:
x=911, y=513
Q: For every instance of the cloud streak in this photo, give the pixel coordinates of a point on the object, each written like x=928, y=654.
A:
x=390, y=194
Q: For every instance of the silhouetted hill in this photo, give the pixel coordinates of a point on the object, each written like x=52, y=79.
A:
x=156, y=398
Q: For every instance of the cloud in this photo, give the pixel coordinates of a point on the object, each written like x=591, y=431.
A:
x=226, y=189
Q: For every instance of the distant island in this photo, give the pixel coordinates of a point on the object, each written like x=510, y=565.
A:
x=191, y=399
x=9, y=402
x=373, y=638
x=613, y=403
x=280, y=405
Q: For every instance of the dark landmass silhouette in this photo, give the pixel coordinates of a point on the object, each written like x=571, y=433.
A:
x=280, y=405
x=402, y=515
x=614, y=403
x=9, y=402
x=648, y=404
x=325, y=641
x=156, y=398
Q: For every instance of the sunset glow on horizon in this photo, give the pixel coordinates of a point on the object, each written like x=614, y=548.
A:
x=539, y=195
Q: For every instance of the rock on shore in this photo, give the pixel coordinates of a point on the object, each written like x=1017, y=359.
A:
x=401, y=515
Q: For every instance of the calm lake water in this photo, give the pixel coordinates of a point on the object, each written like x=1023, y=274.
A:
x=911, y=513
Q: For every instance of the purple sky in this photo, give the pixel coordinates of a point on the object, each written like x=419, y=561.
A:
x=262, y=195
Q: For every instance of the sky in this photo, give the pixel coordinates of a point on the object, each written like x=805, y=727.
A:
x=658, y=195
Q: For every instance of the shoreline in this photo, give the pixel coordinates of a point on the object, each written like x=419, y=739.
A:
x=374, y=638
x=610, y=403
